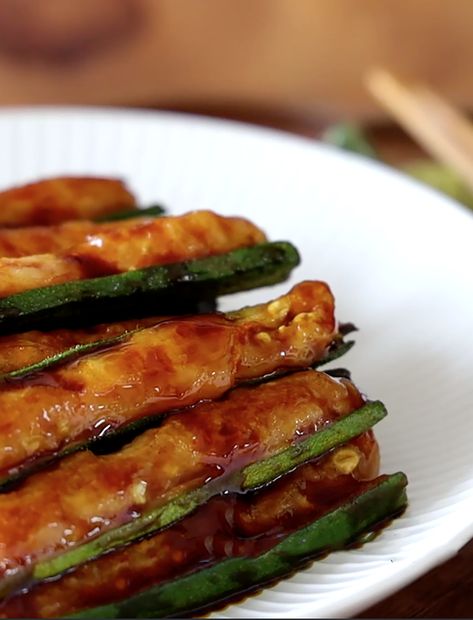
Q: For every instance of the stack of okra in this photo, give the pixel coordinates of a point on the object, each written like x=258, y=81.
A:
x=158, y=457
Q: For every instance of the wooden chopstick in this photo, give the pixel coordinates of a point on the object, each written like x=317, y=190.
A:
x=442, y=130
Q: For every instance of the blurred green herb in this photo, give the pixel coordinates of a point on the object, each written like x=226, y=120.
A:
x=350, y=137
x=442, y=178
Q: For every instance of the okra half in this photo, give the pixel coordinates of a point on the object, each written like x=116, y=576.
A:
x=171, y=365
x=128, y=214
x=374, y=503
x=166, y=574
x=120, y=247
x=99, y=503
x=46, y=350
x=154, y=290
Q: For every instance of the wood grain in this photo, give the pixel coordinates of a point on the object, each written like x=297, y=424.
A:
x=445, y=592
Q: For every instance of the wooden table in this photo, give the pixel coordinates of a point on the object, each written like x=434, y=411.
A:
x=446, y=591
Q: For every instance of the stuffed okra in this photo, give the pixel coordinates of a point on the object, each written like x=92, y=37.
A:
x=63, y=198
x=97, y=503
x=178, y=288
x=367, y=508
x=156, y=456
x=21, y=353
x=30, y=240
x=173, y=364
x=318, y=505
x=127, y=214
x=124, y=247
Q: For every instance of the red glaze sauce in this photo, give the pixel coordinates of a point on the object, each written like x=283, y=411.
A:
x=141, y=244
x=86, y=495
x=227, y=526
x=171, y=365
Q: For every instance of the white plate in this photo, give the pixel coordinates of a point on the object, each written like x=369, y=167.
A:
x=399, y=259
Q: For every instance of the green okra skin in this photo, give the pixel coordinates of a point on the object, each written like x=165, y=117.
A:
x=69, y=354
x=384, y=498
x=336, y=434
x=249, y=478
x=81, y=349
x=339, y=348
x=126, y=433
x=154, y=290
x=128, y=214
x=78, y=350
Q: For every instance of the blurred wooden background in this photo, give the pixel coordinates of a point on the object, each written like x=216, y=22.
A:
x=307, y=57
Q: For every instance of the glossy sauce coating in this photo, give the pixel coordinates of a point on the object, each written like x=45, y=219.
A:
x=26, y=241
x=21, y=350
x=171, y=365
x=225, y=527
x=63, y=198
x=86, y=495
x=157, y=241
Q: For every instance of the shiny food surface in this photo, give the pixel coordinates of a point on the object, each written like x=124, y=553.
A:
x=171, y=365
x=29, y=240
x=86, y=495
x=227, y=526
x=20, y=350
x=63, y=198
x=152, y=242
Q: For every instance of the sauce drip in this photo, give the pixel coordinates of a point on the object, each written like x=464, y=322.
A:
x=227, y=526
x=172, y=365
x=87, y=495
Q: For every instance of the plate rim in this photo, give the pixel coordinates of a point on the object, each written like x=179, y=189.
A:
x=214, y=122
